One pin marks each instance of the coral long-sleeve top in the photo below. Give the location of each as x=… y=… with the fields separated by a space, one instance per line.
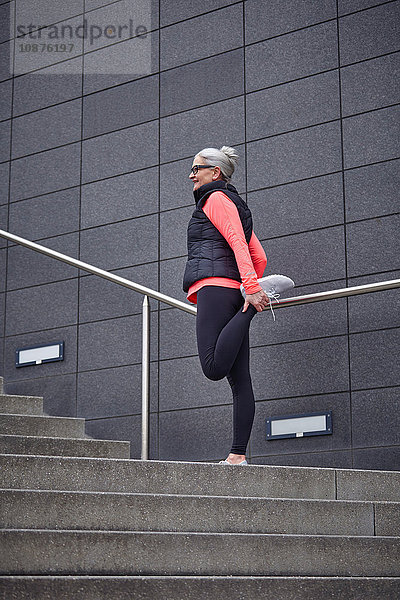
x=250 y=258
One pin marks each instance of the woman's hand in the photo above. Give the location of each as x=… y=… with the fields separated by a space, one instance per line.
x=259 y=300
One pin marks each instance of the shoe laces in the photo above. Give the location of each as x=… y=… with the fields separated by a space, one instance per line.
x=272 y=295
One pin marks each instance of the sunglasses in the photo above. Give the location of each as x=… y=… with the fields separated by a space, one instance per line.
x=195 y=168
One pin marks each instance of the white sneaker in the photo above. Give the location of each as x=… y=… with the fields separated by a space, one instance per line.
x=273 y=286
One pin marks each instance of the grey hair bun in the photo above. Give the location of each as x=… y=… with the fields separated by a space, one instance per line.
x=231 y=154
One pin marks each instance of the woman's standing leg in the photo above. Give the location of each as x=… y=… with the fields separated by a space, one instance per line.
x=243 y=399
x=223 y=344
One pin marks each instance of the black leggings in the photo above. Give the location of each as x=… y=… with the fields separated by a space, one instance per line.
x=223 y=344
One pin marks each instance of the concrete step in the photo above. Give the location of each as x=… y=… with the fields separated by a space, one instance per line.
x=197 y=588
x=1 y=385
x=136 y=476
x=19 y=444
x=20 y=509
x=21 y=405
x=47 y=552
x=46 y=426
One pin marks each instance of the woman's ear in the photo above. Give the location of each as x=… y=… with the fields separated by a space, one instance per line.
x=216 y=174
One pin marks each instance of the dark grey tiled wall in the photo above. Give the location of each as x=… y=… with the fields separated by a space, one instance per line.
x=95 y=165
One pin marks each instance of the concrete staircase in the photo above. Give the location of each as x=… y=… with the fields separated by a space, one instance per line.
x=81 y=520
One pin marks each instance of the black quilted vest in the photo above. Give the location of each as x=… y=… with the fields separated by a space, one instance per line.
x=209 y=254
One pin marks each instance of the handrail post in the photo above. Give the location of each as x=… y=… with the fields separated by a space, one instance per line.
x=145 y=378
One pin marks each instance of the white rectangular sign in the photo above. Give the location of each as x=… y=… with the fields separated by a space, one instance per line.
x=298 y=425
x=39 y=354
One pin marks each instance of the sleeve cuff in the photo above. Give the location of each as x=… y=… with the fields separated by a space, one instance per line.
x=253 y=288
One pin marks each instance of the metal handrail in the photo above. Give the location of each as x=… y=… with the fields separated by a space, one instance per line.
x=74 y=262
x=136 y=287
x=148 y=292
x=380 y=286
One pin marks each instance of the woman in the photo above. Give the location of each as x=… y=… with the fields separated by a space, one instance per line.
x=223 y=252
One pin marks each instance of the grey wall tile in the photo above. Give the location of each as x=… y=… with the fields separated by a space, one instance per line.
x=291 y=256
x=291 y=56
x=126 y=428
x=6 y=58
x=39 y=89
x=348 y=6
x=201 y=37
x=373 y=245
x=45 y=172
x=65 y=33
x=48 y=215
x=298 y=104
x=42 y=307
x=123 y=17
x=7 y=21
x=100 y=299
x=371 y=137
x=122 y=106
x=198 y=434
x=114 y=343
x=94 y=4
x=376 y=417
x=48 y=128
x=170 y=12
x=177 y=334
x=121 y=244
x=59 y=393
x=339 y=404
x=264 y=20
x=5 y=99
x=183 y=385
x=4 y=177
x=2 y=315
x=296 y=155
x=341 y=459
x=211 y=126
x=378 y=310
x=133 y=149
x=369 y=33
x=300 y=368
x=26 y=267
x=47 y=12
x=118 y=198
x=206 y=81
x=387 y=459
x=51 y=336
x=173 y=232
x=4 y=224
x=371 y=84
x=307 y=321
x=171 y=277
x=3 y=263
x=117 y=64
x=374 y=359
x=175 y=185
x=5 y=134
x=113 y=392
x=296 y=207
x=372 y=191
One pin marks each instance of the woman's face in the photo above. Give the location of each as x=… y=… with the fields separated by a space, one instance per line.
x=203 y=176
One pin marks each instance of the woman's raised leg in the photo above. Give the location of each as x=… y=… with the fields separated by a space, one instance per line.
x=221 y=328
